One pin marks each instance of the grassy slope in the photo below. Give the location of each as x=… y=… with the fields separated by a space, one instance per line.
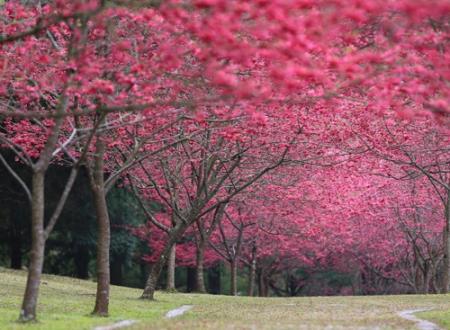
x=65 y=303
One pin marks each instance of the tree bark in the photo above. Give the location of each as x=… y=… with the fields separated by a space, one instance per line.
x=28 y=310
x=426 y=279
x=171 y=265
x=190 y=279
x=262 y=285
x=152 y=280
x=446 y=241
x=252 y=274
x=214 y=279
x=38 y=230
x=199 y=267
x=233 y=278
x=104 y=233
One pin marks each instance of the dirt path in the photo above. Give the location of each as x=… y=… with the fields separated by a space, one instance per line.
x=178 y=311
x=118 y=325
x=421 y=324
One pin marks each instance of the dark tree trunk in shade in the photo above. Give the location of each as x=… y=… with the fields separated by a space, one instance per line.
x=233 y=278
x=155 y=273
x=190 y=279
x=262 y=285
x=28 y=310
x=214 y=279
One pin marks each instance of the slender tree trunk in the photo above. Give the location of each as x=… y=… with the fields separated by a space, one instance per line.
x=233 y=278
x=171 y=264
x=417 y=272
x=426 y=279
x=103 y=243
x=190 y=279
x=446 y=241
x=199 y=270
x=152 y=280
x=262 y=285
x=434 y=288
x=38 y=234
x=252 y=273
x=103 y=231
x=214 y=279
x=28 y=311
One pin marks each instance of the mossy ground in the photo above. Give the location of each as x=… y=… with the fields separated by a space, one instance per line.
x=66 y=303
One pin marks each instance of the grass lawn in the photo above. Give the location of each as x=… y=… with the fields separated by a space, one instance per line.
x=65 y=303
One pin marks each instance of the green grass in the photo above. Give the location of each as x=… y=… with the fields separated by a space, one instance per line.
x=66 y=303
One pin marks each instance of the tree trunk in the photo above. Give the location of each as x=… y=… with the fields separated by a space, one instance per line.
x=426 y=279
x=103 y=243
x=199 y=268
x=252 y=274
x=262 y=285
x=152 y=280
x=446 y=241
x=233 y=278
x=190 y=279
x=214 y=279
x=171 y=265
x=417 y=276
x=28 y=311
x=104 y=232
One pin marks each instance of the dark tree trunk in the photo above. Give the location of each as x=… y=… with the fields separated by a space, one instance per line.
x=418 y=278
x=190 y=279
x=214 y=279
x=144 y=268
x=233 y=278
x=199 y=267
x=152 y=280
x=262 y=285
x=446 y=241
x=171 y=265
x=426 y=279
x=28 y=311
x=103 y=231
x=150 y=285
